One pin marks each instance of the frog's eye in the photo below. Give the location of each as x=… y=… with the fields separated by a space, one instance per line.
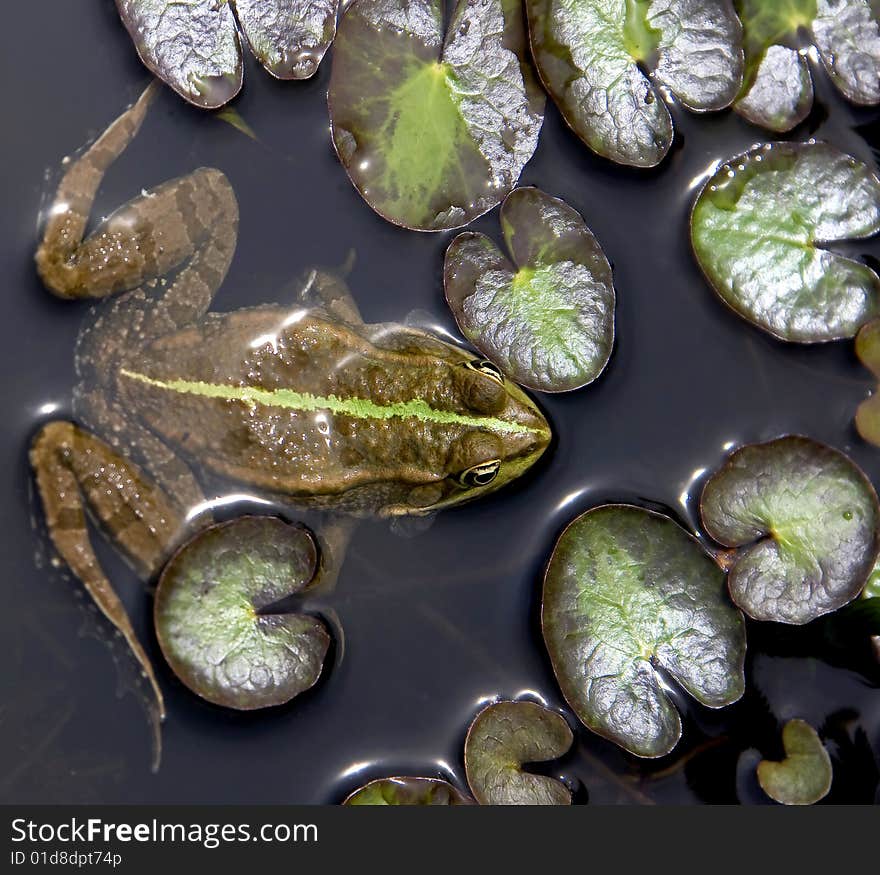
x=487 y=369
x=480 y=475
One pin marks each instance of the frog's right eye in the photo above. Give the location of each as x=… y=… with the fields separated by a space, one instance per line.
x=487 y=369
x=480 y=475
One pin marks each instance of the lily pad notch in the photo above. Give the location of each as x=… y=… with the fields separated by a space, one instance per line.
x=605 y=63
x=194 y=46
x=545 y=316
x=777 y=90
x=433 y=128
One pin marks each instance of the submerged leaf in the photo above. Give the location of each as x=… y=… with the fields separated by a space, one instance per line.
x=433 y=130
x=759 y=230
x=628 y=591
x=590 y=55
x=288 y=37
x=503 y=737
x=806 y=520
x=407 y=791
x=804 y=776
x=194 y=45
x=547 y=320
x=868 y=351
x=778 y=88
x=214 y=619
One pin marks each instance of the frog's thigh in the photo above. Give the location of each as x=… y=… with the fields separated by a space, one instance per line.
x=74 y=469
x=188 y=224
x=169 y=472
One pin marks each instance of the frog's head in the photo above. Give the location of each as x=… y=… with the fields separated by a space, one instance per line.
x=505 y=435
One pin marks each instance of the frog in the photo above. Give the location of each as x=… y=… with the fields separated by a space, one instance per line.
x=304 y=403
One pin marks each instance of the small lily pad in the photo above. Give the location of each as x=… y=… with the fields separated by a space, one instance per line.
x=407 y=791
x=627 y=591
x=804 y=776
x=806 y=522
x=778 y=87
x=590 y=55
x=194 y=45
x=760 y=228
x=214 y=617
x=547 y=319
x=433 y=129
x=868 y=351
x=503 y=737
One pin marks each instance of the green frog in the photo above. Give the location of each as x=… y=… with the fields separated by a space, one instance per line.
x=305 y=404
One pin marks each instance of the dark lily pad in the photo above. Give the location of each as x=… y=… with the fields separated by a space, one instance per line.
x=760 y=227
x=407 y=791
x=804 y=776
x=806 y=522
x=547 y=319
x=777 y=89
x=590 y=55
x=503 y=737
x=214 y=620
x=868 y=351
x=194 y=45
x=433 y=129
x=626 y=592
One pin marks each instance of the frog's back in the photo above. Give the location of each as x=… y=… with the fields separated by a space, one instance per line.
x=298 y=403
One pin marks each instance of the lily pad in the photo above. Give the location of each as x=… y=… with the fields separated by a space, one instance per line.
x=806 y=522
x=547 y=319
x=503 y=737
x=433 y=129
x=628 y=592
x=868 y=351
x=760 y=228
x=214 y=616
x=407 y=791
x=194 y=45
x=804 y=776
x=778 y=87
x=591 y=54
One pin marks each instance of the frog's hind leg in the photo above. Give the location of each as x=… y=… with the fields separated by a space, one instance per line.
x=189 y=225
x=330 y=292
x=74 y=471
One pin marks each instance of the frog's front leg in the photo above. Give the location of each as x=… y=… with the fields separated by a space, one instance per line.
x=189 y=225
x=74 y=471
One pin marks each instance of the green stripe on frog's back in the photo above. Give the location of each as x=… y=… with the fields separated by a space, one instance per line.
x=306 y=402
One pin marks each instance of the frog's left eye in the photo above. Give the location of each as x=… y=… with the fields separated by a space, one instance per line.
x=480 y=475
x=487 y=369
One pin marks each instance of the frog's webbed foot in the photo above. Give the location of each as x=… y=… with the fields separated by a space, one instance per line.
x=74 y=471
x=189 y=225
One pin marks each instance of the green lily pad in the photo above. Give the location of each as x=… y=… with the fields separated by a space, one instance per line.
x=760 y=227
x=433 y=129
x=806 y=522
x=214 y=619
x=628 y=591
x=804 y=776
x=590 y=55
x=407 y=791
x=868 y=351
x=547 y=320
x=777 y=88
x=194 y=45
x=503 y=737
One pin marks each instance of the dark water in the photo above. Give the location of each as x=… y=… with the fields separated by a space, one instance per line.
x=438 y=622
